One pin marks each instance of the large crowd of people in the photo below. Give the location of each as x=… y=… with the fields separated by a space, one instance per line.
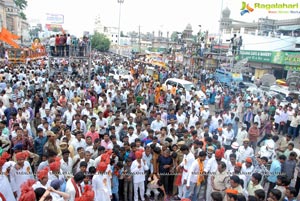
x=135 y=139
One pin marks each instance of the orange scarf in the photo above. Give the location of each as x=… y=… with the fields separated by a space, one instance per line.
x=201 y=170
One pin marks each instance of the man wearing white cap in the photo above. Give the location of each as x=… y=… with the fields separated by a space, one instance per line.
x=268 y=151
x=234 y=150
x=242 y=134
x=245 y=151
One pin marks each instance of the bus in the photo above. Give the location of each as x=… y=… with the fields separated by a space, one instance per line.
x=227 y=77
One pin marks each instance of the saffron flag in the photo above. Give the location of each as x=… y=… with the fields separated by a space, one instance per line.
x=11 y=35
x=8 y=38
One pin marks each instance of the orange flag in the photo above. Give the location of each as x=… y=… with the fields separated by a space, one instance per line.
x=9 y=34
x=8 y=38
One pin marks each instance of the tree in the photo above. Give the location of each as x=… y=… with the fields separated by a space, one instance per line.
x=174 y=36
x=23 y=16
x=100 y=42
x=21 y=4
x=122 y=34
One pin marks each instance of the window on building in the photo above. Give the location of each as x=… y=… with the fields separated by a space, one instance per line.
x=116 y=36
x=297 y=45
x=116 y=41
x=112 y=36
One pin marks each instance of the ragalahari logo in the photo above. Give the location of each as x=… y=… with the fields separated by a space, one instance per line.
x=246 y=8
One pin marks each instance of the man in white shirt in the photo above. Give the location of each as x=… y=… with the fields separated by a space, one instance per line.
x=78 y=142
x=131 y=135
x=138 y=168
x=102 y=123
x=82 y=124
x=180 y=117
x=257 y=118
x=234 y=150
x=73 y=186
x=157 y=124
x=66 y=162
x=186 y=164
x=245 y=151
x=195 y=179
x=228 y=135
x=20 y=173
x=68 y=115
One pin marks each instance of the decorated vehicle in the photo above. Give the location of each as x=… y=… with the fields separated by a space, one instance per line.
x=23 y=55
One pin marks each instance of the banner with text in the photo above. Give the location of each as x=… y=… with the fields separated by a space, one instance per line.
x=282 y=58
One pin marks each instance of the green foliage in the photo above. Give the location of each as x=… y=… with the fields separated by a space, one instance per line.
x=174 y=36
x=23 y=16
x=55 y=29
x=21 y=4
x=100 y=42
x=122 y=34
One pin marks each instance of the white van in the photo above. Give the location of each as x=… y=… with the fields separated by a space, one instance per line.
x=179 y=84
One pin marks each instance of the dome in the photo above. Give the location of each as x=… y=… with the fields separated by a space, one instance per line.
x=188 y=27
x=226 y=12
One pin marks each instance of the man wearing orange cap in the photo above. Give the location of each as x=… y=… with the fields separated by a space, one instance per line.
x=211 y=167
x=101 y=183
x=56 y=172
x=138 y=168
x=237 y=171
x=43 y=181
x=247 y=169
x=5 y=187
x=20 y=173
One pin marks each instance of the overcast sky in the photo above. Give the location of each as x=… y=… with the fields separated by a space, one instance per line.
x=154 y=15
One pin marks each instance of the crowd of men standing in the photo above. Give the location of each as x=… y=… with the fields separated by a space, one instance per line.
x=134 y=139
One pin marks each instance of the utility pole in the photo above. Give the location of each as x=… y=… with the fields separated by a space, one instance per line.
x=120 y=2
x=90 y=61
x=139 y=39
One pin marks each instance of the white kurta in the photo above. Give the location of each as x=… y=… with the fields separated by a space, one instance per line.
x=70 y=189
x=101 y=186
x=18 y=177
x=138 y=173
x=186 y=164
x=52 y=176
x=5 y=188
x=39 y=185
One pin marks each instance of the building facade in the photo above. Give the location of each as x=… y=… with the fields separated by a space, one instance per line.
x=11 y=20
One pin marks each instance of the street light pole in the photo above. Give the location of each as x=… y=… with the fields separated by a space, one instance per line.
x=90 y=61
x=120 y=2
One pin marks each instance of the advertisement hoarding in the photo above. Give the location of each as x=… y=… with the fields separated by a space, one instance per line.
x=54 y=18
